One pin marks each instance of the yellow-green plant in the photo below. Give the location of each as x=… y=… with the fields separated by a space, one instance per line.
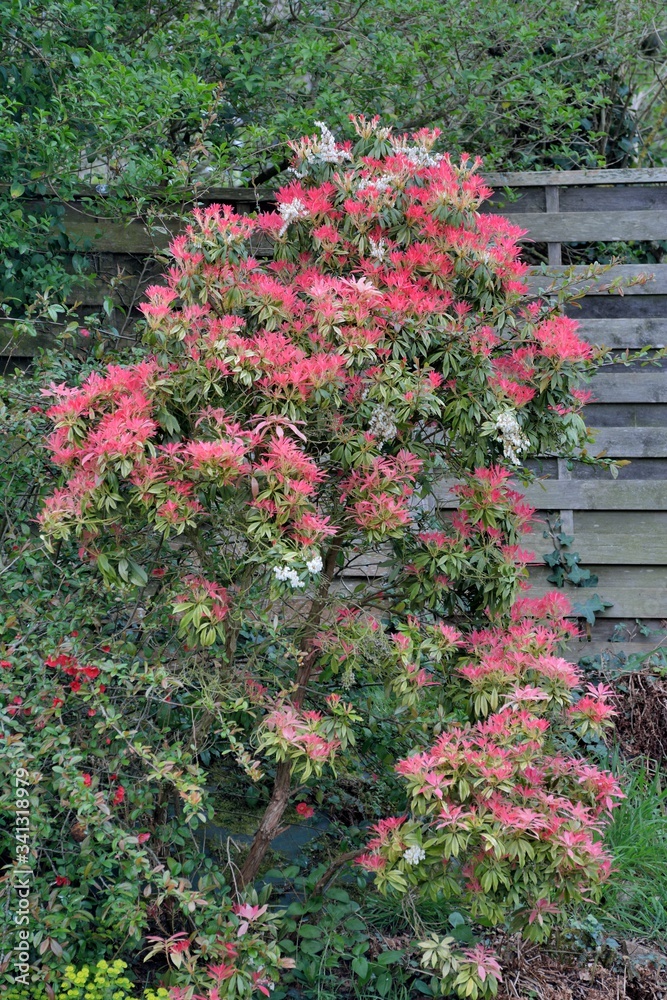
x=105 y=981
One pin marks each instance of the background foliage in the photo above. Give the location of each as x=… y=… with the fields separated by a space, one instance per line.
x=130 y=96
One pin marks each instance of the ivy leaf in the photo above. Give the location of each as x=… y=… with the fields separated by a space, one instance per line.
x=588 y=609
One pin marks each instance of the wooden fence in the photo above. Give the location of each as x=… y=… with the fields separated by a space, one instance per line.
x=619 y=526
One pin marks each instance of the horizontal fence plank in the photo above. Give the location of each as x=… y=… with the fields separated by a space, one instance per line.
x=197 y=191
x=606 y=650
x=622 y=333
x=636 y=592
x=93 y=293
x=578 y=227
x=583 y=494
x=641 y=415
x=542 y=279
x=610 y=538
x=540 y=178
x=637 y=198
x=630 y=387
x=630 y=442
x=113 y=237
x=556 y=227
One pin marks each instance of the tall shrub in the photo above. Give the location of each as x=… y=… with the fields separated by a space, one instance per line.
x=317 y=378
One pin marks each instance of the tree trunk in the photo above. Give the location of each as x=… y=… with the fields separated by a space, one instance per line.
x=270 y=824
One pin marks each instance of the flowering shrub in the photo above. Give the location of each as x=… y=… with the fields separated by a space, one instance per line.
x=295 y=425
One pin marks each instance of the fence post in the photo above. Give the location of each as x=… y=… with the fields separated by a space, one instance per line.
x=552 y=199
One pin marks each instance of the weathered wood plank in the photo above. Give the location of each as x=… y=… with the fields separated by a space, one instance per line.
x=639 y=198
x=584 y=494
x=647 y=386
x=543 y=279
x=641 y=415
x=93 y=293
x=24 y=346
x=577 y=649
x=539 y=178
x=622 y=333
x=575 y=227
x=556 y=227
x=226 y=195
x=636 y=592
x=610 y=538
x=117 y=238
x=631 y=442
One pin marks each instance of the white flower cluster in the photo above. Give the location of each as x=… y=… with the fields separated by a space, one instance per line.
x=381 y=183
x=326 y=151
x=287 y=574
x=290 y=211
x=513 y=439
x=378 y=249
x=348 y=679
x=315 y=564
x=381 y=425
x=418 y=156
x=413 y=855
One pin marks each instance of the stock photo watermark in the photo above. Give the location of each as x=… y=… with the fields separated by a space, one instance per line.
x=22 y=878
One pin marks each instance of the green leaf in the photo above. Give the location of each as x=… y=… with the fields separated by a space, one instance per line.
x=389 y=957
x=309 y=931
x=360 y=966
x=16 y=190
x=339 y=894
x=384 y=983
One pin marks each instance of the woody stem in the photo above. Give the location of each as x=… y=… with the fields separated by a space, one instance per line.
x=271 y=820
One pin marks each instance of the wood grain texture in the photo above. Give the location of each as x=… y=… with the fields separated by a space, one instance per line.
x=93 y=293
x=622 y=333
x=584 y=494
x=612 y=538
x=574 y=227
x=559 y=227
x=636 y=592
x=543 y=279
x=647 y=386
x=541 y=178
x=607 y=650
x=630 y=442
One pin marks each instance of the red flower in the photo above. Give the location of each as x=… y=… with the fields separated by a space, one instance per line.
x=57 y=702
x=74 y=634
x=62 y=880
x=75 y=686
x=6 y=664
x=106 y=649
x=119 y=795
x=87 y=780
x=305 y=811
x=143 y=837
